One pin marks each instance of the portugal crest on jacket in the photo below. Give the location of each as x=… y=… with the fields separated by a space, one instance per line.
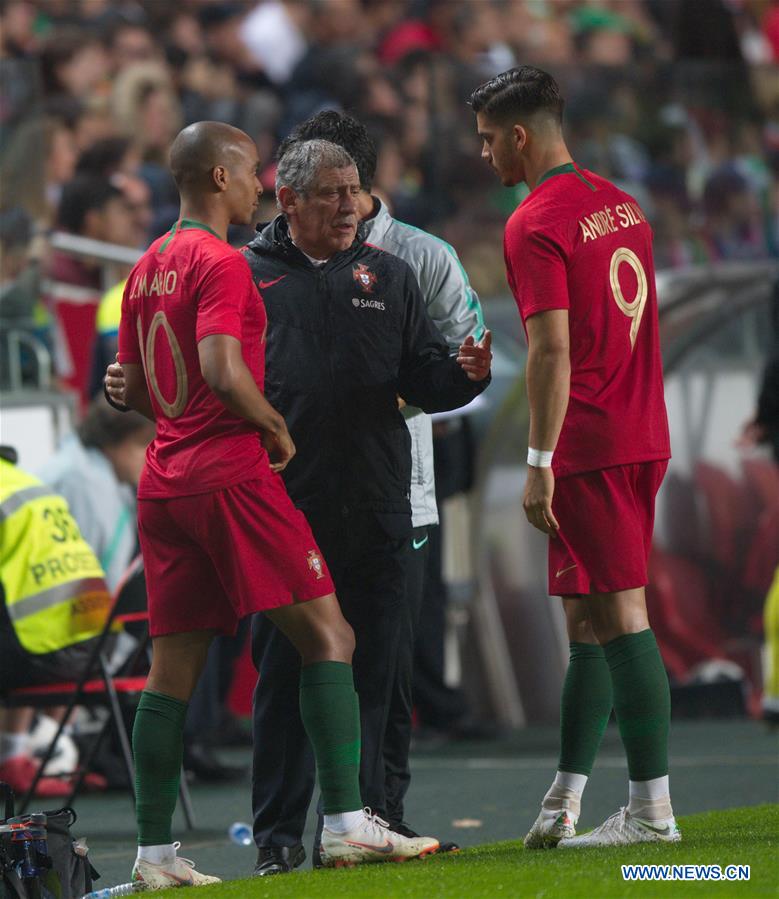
x=364 y=277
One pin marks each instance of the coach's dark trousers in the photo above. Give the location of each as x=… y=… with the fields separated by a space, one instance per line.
x=368 y=556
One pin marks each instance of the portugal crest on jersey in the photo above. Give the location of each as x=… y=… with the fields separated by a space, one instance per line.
x=315 y=564
x=364 y=277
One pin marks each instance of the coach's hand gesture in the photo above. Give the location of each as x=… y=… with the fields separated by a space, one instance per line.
x=115 y=382
x=537 y=501
x=475 y=358
x=280 y=448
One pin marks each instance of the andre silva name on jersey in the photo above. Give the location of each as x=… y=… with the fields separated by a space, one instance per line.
x=601 y=223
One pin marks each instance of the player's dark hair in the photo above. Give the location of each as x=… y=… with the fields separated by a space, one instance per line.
x=80 y=196
x=346 y=132
x=518 y=93
x=104 y=426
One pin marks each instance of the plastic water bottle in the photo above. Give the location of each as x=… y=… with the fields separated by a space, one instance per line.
x=241 y=834
x=124 y=889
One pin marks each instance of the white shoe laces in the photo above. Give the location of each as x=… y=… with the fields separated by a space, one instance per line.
x=374 y=822
x=187 y=861
x=618 y=820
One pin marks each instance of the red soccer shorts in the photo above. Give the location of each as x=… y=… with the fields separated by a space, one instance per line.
x=210 y=559
x=606 y=519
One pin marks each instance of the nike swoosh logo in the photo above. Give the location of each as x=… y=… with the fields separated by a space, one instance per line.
x=385 y=849
x=562 y=571
x=264 y=284
x=418 y=544
x=661 y=831
x=184 y=881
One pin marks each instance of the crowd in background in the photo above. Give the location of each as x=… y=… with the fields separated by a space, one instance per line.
x=678 y=103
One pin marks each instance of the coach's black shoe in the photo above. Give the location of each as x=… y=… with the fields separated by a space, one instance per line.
x=405 y=831
x=278 y=860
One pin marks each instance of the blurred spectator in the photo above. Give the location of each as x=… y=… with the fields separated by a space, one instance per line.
x=17 y=32
x=272 y=34
x=131 y=42
x=732 y=227
x=97 y=469
x=677 y=102
x=90 y=207
x=146 y=108
x=74 y=63
x=118 y=159
x=39 y=159
x=109 y=314
x=18 y=284
x=19 y=292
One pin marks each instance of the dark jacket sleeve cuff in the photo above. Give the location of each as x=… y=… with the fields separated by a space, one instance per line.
x=120 y=407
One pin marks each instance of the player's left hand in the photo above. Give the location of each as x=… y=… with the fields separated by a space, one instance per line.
x=537 y=501
x=475 y=358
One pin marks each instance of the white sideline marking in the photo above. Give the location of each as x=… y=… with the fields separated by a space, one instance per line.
x=531 y=764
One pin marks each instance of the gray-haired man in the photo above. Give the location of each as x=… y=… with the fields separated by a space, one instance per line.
x=348 y=333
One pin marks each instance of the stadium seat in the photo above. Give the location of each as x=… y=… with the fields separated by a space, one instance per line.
x=728 y=513
x=763 y=555
x=99 y=687
x=679 y=604
x=762 y=479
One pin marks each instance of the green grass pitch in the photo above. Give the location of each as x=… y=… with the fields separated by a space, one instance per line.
x=747 y=836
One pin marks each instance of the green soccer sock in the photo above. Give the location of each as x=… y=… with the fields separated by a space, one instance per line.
x=331 y=717
x=584 y=708
x=642 y=702
x=158 y=745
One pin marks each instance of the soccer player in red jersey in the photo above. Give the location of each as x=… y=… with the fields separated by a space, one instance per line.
x=220 y=537
x=578 y=255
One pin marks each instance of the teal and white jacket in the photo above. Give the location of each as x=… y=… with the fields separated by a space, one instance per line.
x=456 y=311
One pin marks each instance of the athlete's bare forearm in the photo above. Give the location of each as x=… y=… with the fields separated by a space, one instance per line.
x=548 y=377
x=226 y=374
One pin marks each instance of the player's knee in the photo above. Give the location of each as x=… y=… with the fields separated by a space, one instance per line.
x=332 y=641
x=577 y=621
x=614 y=615
x=581 y=631
x=343 y=641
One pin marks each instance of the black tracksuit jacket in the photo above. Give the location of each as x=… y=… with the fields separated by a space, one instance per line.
x=344 y=341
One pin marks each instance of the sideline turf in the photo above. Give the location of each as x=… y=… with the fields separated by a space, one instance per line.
x=746 y=836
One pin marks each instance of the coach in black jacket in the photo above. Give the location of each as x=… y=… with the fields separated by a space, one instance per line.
x=348 y=333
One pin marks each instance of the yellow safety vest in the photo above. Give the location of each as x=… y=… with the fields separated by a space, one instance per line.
x=55 y=590
x=109 y=312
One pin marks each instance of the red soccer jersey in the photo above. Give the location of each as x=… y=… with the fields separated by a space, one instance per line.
x=187 y=285
x=580 y=243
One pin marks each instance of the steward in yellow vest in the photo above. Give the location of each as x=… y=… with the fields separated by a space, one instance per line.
x=54 y=598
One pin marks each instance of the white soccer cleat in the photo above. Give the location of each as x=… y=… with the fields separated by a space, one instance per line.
x=372 y=841
x=549 y=828
x=622 y=829
x=181 y=873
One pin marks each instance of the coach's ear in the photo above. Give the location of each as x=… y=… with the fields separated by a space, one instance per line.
x=287 y=200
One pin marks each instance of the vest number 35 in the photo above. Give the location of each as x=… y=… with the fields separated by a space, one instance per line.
x=634 y=309
x=174 y=409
